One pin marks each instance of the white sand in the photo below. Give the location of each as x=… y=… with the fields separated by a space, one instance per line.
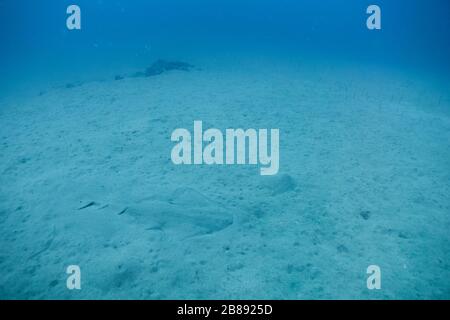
x=364 y=179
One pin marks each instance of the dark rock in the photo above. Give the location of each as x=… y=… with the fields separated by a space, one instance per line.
x=403 y=235
x=342 y=249
x=161 y=66
x=53 y=283
x=71 y=85
x=365 y=214
x=257 y=212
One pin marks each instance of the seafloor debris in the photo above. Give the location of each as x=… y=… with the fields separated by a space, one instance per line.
x=365 y=214
x=71 y=85
x=160 y=66
x=90 y=204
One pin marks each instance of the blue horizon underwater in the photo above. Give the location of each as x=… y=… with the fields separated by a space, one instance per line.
x=103 y=170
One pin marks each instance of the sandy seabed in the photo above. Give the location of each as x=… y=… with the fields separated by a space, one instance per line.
x=86 y=178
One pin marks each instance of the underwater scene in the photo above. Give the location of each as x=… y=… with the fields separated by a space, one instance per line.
x=197 y=149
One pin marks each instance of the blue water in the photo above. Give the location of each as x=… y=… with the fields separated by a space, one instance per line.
x=86 y=176
x=414 y=33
